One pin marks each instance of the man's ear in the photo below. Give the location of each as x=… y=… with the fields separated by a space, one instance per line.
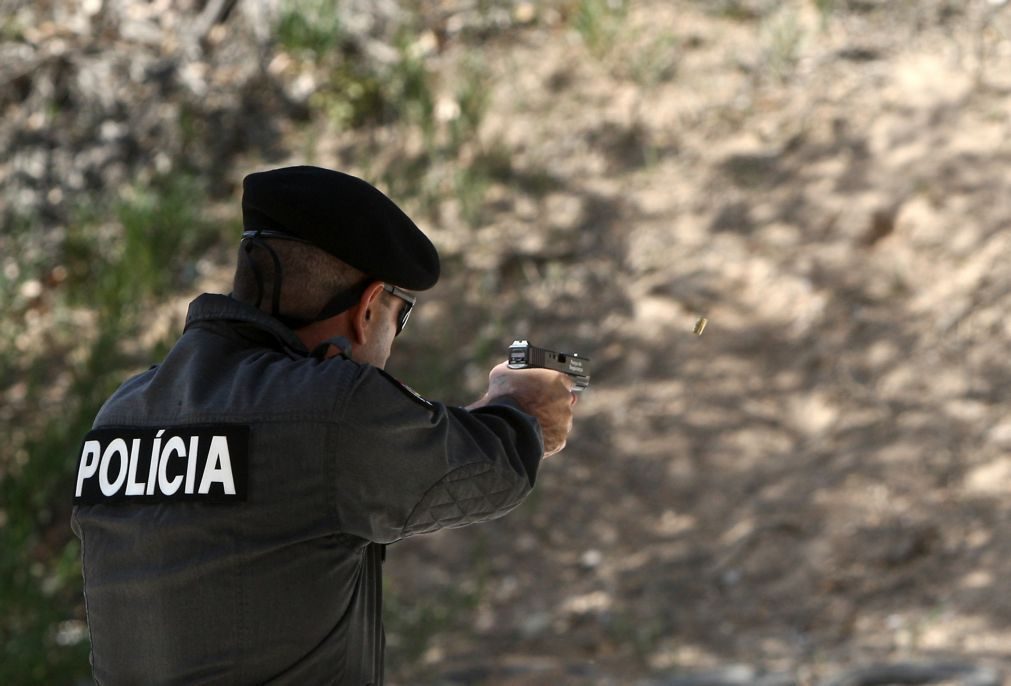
x=364 y=313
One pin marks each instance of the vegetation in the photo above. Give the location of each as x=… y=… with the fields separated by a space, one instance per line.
x=121 y=257
x=311 y=27
x=599 y=23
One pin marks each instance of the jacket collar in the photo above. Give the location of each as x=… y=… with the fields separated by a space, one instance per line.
x=213 y=307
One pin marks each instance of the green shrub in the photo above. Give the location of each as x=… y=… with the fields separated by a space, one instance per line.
x=472 y=98
x=782 y=39
x=599 y=23
x=119 y=257
x=145 y=249
x=310 y=27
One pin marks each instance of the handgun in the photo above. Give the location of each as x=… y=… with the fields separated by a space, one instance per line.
x=522 y=355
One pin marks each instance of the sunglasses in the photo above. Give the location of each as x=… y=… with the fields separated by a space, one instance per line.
x=405 y=311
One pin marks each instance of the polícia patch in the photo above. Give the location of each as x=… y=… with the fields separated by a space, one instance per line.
x=201 y=462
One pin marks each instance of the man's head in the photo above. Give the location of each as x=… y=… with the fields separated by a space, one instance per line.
x=328 y=254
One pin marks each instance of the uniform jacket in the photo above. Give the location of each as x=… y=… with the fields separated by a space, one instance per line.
x=241 y=494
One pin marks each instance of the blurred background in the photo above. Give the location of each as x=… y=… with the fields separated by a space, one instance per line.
x=818 y=483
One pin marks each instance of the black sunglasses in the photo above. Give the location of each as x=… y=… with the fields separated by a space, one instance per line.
x=405 y=311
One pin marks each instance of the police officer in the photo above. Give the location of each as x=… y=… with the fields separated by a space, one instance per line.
x=234 y=502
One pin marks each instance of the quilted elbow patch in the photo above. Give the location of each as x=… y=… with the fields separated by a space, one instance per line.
x=473 y=493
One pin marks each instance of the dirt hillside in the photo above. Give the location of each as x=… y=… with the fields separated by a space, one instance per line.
x=820 y=481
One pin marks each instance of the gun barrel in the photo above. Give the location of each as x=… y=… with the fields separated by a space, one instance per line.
x=522 y=355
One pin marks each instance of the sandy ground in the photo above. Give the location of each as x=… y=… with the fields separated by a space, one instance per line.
x=820 y=481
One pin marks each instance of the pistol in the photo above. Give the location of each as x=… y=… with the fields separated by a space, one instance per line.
x=522 y=355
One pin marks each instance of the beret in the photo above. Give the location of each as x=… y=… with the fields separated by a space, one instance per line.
x=345 y=216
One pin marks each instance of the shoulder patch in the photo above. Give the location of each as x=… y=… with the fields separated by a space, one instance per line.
x=202 y=462
x=413 y=394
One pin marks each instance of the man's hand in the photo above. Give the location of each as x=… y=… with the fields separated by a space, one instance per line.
x=545 y=394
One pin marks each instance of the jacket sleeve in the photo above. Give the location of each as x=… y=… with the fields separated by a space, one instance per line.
x=405 y=465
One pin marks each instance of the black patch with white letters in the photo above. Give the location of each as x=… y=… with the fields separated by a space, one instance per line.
x=206 y=463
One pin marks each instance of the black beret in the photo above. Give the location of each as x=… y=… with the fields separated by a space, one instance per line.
x=345 y=216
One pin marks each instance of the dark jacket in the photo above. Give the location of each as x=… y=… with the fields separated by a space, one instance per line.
x=261 y=561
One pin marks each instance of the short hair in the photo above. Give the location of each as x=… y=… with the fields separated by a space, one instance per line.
x=310 y=277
